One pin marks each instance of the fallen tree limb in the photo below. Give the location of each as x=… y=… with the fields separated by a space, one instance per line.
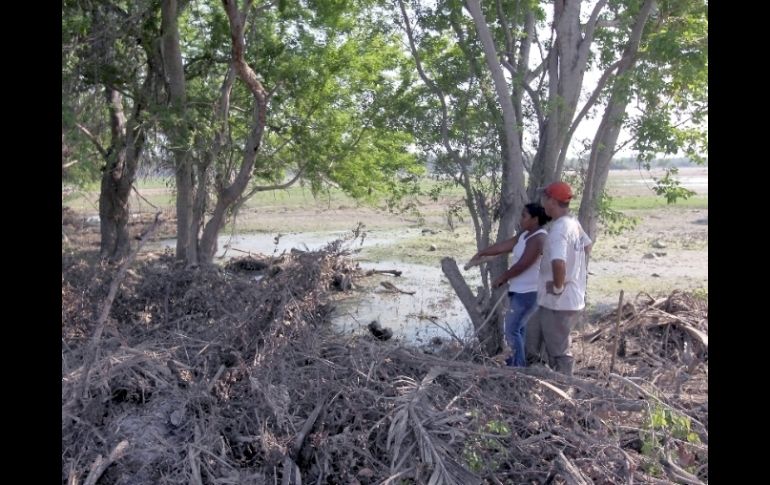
x=394 y=272
x=101 y=464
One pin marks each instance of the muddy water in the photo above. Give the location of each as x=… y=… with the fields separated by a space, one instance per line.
x=698 y=184
x=270 y=243
x=692 y=178
x=433 y=311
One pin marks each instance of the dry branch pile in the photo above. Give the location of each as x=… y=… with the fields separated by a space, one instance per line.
x=663 y=342
x=206 y=376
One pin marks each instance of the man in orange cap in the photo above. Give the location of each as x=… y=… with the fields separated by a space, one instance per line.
x=562 y=283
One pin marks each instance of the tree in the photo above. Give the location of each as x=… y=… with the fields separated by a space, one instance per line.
x=120 y=67
x=633 y=42
x=664 y=67
x=319 y=108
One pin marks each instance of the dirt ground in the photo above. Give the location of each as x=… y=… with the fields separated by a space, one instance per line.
x=668 y=250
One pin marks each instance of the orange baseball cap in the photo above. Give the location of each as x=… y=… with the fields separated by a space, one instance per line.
x=561 y=191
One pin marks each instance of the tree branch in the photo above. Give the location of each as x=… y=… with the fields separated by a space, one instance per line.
x=265 y=6
x=543 y=61
x=285 y=143
x=101 y=464
x=264 y=188
x=509 y=41
x=531 y=92
x=636 y=137
x=93 y=139
x=237 y=22
x=590 y=27
x=586 y=108
x=431 y=85
x=249 y=77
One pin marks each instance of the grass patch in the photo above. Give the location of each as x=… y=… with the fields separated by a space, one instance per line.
x=653 y=202
x=459 y=244
x=607 y=287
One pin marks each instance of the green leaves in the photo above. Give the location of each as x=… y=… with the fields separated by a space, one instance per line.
x=671 y=82
x=670 y=187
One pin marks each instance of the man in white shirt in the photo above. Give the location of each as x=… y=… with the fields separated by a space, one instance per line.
x=562 y=283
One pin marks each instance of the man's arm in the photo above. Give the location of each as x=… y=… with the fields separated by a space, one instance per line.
x=558 y=250
x=556 y=286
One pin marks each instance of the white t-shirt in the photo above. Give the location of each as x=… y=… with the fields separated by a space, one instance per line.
x=566 y=241
x=526 y=281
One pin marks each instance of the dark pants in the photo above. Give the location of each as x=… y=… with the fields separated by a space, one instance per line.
x=552 y=328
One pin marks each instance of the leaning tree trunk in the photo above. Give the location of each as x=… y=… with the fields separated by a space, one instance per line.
x=599 y=164
x=606 y=137
x=489 y=335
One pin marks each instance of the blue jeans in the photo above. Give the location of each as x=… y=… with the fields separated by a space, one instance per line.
x=522 y=306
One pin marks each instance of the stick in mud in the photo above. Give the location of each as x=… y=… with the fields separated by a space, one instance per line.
x=617 y=335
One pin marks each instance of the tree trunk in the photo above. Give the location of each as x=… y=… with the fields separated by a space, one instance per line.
x=196 y=241
x=127 y=139
x=599 y=163
x=512 y=190
x=228 y=196
x=512 y=199
x=490 y=336
x=186 y=242
x=606 y=137
x=567 y=63
x=118 y=177
x=207 y=246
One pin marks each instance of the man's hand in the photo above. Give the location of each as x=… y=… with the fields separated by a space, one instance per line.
x=549 y=289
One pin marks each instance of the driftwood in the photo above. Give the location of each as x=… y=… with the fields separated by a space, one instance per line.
x=394 y=288
x=394 y=272
x=463 y=292
x=572 y=473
